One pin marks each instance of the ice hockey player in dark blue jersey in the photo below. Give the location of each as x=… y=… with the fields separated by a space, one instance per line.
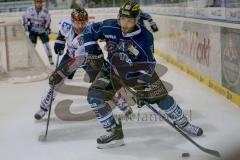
x=131 y=61
x=144 y=16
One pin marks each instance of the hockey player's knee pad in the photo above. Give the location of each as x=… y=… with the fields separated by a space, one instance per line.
x=100 y=94
x=101 y=88
x=166 y=102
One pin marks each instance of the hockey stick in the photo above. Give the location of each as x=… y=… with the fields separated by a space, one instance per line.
x=206 y=150
x=43 y=138
x=131 y=90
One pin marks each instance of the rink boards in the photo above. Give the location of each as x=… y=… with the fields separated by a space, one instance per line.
x=206 y=50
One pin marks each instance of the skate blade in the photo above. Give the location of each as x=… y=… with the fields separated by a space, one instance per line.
x=38 y=117
x=113 y=144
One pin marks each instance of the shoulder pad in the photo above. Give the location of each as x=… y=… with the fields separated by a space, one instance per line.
x=65 y=26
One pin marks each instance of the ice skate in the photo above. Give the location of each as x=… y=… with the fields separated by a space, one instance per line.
x=39 y=114
x=112 y=138
x=45 y=103
x=192 y=129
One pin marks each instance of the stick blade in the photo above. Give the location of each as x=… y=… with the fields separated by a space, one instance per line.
x=212 y=152
x=42 y=138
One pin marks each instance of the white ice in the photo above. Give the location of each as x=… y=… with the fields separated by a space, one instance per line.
x=19 y=132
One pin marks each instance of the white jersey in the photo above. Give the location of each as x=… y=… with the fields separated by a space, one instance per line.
x=74 y=41
x=37 y=21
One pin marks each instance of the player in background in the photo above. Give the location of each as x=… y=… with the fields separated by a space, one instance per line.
x=143 y=16
x=71 y=32
x=128 y=44
x=37 y=21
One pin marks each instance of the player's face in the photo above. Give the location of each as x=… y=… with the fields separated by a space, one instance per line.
x=79 y=26
x=38 y=5
x=127 y=24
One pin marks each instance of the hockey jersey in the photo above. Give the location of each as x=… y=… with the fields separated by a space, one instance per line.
x=37 y=21
x=74 y=42
x=131 y=48
x=138 y=45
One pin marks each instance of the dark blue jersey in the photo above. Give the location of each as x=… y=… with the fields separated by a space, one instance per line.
x=138 y=45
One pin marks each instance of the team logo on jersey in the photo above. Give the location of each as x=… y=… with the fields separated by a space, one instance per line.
x=124 y=45
x=66 y=27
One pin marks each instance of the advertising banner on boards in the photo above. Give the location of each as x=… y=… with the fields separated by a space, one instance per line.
x=230 y=40
x=194 y=44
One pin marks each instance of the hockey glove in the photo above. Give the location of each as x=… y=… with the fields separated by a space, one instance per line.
x=28 y=27
x=140 y=103
x=59 y=47
x=154 y=27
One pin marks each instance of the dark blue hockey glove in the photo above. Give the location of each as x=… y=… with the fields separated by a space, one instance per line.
x=59 y=47
x=154 y=27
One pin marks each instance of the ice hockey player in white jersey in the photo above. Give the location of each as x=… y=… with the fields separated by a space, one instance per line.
x=71 y=32
x=36 y=21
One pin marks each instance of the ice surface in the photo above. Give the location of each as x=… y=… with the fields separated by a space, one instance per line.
x=145 y=139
